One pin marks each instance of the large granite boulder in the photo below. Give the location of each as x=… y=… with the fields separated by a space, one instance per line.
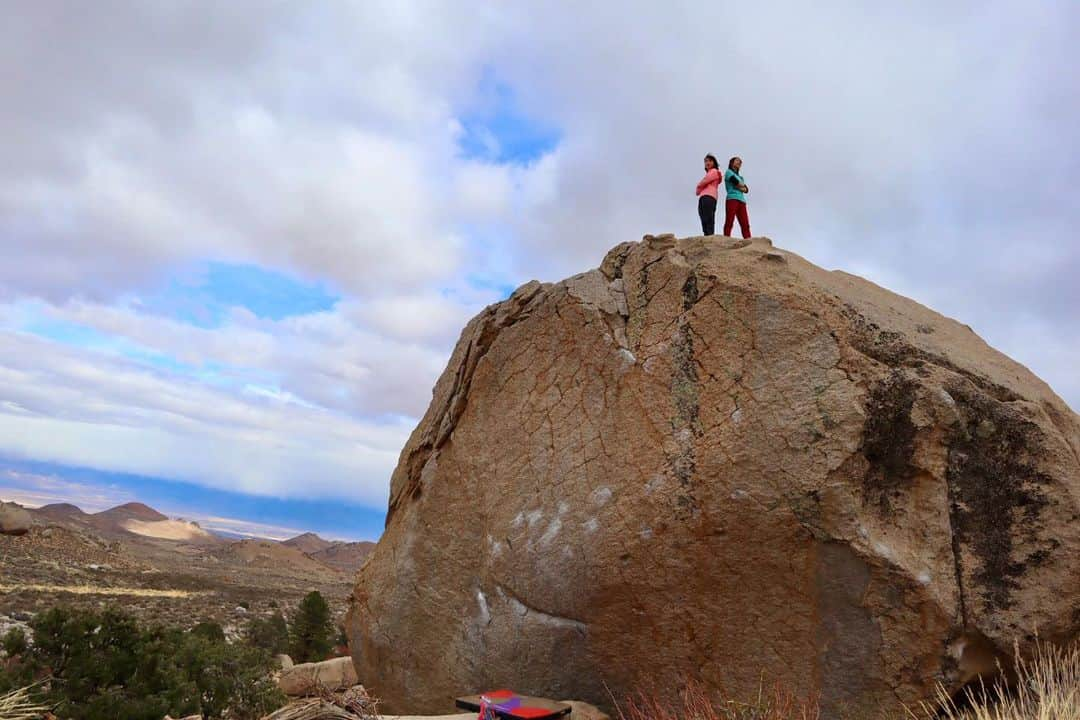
x=712 y=460
x=14 y=520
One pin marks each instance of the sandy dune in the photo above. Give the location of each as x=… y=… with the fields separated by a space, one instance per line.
x=167 y=529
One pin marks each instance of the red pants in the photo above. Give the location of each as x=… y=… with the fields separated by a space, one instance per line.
x=736 y=209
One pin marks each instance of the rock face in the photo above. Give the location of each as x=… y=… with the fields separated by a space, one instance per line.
x=14 y=520
x=710 y=459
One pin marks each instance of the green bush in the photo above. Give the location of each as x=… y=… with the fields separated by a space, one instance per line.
x=209 y=630
x=271 y=633
x=14 y=642
x=311 y=634
x=15 y=672
x=230 y=677
x=103 y=666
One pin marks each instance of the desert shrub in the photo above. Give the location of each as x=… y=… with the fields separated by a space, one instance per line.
x=230 y=677
x=15 y=670
x=311 y=632
x=104 y=666
x=209 y=630
x=14 y=642
x=270 y=633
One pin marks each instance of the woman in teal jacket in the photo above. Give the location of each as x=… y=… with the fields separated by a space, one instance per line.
x=735 y=206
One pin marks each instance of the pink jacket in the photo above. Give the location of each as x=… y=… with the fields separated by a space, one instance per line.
x=710 y=183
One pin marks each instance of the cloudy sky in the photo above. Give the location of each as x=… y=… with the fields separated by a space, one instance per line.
x=237 y=240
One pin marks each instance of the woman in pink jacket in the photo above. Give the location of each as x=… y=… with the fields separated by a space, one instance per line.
x=706 y=193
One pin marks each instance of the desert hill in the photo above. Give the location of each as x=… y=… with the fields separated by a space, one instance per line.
x=123 y=521
x=60 y=510
x=345 y=556
x=130 y=511
x=163 y=569
x=273 y=555
x=709 y=458
x=308 y=542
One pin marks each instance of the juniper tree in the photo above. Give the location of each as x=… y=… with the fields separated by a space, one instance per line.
x=311 y=633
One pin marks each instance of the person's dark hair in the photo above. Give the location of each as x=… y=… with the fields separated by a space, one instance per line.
x=731 y=163
x=712 y=157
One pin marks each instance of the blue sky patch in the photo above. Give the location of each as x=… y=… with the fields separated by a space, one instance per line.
x=266 y=293
x=78 y=335
x=496 y=130
x=203 y=298
x=334 y=519
x=488 y=283
x=65 y=331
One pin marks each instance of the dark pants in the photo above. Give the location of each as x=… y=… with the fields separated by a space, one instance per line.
x=706 y=210
x=736 y=209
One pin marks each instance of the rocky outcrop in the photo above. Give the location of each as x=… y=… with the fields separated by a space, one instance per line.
x=14 y=520
x=710 y=459
x=305 y=678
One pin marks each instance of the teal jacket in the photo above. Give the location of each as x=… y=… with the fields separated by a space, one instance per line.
x=732 y=181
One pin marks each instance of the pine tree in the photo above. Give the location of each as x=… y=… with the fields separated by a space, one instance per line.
x=311 y=633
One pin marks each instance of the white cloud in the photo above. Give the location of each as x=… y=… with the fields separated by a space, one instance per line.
x=80 y=407
x=32 y=489
x=322 y=140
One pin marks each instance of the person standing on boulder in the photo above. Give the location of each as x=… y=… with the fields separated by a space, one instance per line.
x=735 y=206
x=707 y=191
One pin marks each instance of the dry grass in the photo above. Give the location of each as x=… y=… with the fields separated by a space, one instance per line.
x=1047 y=688
x=16 y=705
x=696 y=703
x=98 y=590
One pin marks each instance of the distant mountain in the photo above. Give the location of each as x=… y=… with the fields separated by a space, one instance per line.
x=125 y=521
x=130 y=511
x=309 y=543
x=134 y=520
x=347 y=556
x=60 y=511
x=272 y=555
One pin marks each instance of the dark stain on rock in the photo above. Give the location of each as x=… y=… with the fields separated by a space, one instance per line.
x=684 y=383
x=848 y=639
x=685 y=421
x=892 y=349
x=889 y=440
x=994 y=486
x=690 y=292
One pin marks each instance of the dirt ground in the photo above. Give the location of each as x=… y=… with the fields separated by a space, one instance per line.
x=158 y=580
